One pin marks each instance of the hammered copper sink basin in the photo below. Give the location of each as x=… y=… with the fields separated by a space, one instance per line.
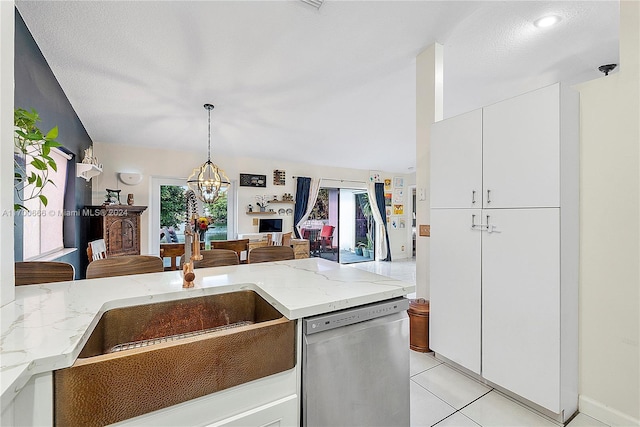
x=143 y=358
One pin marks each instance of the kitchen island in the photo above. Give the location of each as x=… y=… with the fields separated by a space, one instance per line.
x=46 y=327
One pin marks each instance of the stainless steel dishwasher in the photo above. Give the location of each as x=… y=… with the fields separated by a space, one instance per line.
x=355 y=369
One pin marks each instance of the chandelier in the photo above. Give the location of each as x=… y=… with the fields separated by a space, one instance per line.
x=208 y=182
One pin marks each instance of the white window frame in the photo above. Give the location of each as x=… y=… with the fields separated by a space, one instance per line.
x=154 y=215
x=53 y=211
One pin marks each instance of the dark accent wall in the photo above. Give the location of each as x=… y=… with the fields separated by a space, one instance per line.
x=37 y=87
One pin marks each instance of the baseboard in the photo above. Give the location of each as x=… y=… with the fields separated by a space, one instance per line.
x=604 y=413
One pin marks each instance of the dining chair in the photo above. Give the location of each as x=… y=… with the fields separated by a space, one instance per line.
x=286 y=239
x=214 y=258
x=270 y=253
x=124 y=265
x=97 y=249
x=326 y=238
x=34 y=272
x=239 y=246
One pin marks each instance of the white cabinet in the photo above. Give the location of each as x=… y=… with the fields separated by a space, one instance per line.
x=455 y=301
x=456 y=166
x=521 y=303
x=504 y=275
x=506 y=155
x=521 y=151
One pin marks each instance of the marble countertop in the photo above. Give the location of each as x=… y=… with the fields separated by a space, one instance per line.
x=47 y=325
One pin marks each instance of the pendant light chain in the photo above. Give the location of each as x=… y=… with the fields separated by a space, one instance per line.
x=209 y=146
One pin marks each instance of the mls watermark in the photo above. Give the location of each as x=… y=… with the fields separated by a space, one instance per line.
x=85 y=212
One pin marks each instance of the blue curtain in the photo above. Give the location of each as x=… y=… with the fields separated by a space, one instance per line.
x=302 y=199
x=383 y=214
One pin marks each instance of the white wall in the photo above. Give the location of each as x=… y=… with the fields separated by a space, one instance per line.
x=610 y=236
x=178 y=164
x=7 y=289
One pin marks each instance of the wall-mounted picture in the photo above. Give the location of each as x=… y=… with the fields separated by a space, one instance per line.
x=387 y=184
x=394 y=222
x=278 y=177
x=398 y=209
x=387 y=199
x=388 y=211
x=398 y=196
x=375 y=176
x=398 y=182
x=252 y=180
x=402 y=223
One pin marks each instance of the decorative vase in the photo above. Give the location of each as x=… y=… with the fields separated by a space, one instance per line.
x=130 y=199
x=262 y=209
x=359 y=251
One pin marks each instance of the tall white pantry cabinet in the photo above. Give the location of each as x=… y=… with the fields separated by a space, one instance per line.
x=504 y=245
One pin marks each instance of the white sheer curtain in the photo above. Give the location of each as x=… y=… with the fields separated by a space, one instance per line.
x=313 y=196
x=381 y=236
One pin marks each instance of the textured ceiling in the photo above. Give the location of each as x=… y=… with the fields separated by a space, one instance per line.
x=334 y=86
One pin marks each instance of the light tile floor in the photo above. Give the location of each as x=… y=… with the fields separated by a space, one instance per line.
x=444 y=397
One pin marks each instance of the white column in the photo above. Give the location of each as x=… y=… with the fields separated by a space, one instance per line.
x=429 y=93
x=7 y=23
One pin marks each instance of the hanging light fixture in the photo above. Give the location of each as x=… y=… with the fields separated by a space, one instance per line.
x=209 y=182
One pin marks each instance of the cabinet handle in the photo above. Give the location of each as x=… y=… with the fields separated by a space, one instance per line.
x=488 y=196
x=473 y=197
x=473 y=221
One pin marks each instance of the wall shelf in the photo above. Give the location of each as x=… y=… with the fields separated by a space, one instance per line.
x=262 y=213
x=87 y=170
x=282 y=201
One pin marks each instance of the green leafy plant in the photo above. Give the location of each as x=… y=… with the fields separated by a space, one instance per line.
x=33 y=148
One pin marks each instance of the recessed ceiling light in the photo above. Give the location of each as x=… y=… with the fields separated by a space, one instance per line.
x=546 y=21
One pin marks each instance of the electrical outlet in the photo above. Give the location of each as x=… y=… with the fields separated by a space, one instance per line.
x=402 y=249
x=255 y=221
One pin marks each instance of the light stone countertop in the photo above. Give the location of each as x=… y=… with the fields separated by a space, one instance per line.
x=47 y=325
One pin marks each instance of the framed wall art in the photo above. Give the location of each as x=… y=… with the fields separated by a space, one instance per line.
x=278 y=177
x=252 y=180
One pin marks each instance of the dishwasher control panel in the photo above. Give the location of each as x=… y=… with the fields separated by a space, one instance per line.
x=349 y=316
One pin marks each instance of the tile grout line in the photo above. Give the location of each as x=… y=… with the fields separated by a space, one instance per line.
x=458 y=410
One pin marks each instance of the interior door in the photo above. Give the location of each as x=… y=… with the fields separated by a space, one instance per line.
x=456 y=167
x=521 y=303
x=455 y=319
x=521 y=151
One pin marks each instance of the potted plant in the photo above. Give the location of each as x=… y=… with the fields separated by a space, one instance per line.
x=31 y=147
x=359 y=248
x=369 y=248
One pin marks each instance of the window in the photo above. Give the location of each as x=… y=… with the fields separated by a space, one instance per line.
x=42 y=225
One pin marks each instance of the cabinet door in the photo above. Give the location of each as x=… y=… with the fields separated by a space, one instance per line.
x=454 y=319
x=521 y=151
x=456 y=162
x=521 y=303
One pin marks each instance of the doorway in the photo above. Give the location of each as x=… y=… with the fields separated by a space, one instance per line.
x=341 y=227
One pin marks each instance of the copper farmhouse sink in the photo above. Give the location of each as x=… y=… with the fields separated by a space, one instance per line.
x=143 y=358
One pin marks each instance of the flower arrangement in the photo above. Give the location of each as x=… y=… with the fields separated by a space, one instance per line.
x=262 y=202
x=203 y=223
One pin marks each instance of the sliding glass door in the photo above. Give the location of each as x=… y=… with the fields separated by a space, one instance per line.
x=340 y=227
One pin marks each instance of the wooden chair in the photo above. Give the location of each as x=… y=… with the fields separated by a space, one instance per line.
x=124 y=265
x=34 y=272
x=215 y=258
x=270 y=253
x=286 y=239
x=238 y=246
x=97 y=249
